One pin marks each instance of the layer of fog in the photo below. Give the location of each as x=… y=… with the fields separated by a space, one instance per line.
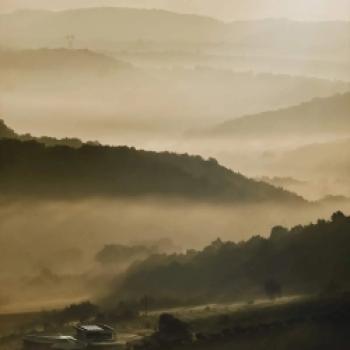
x=155 y=57
x=128 y=105
x=318 y=163
x=48 y=248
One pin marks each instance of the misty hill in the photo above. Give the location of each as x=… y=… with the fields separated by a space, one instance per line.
x=83 y=93
x=328 y=157
x=32 y=168
x=58 y=60
x=335 y=200
x=105 y=27
x=303 y=259
x=319 y=116
x=315 y=170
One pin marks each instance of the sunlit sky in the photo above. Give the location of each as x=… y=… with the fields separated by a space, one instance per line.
x=223 y=9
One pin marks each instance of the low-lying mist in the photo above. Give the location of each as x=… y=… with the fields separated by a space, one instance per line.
x=46 y=92
x=49 y=247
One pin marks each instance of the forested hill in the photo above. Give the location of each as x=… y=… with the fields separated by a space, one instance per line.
x=92 y=170
x=304 y=259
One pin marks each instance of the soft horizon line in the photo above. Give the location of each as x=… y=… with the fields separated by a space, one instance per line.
x=141 y=9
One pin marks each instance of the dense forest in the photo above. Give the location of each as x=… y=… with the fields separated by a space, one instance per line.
x=30 y=167
x=304 y=259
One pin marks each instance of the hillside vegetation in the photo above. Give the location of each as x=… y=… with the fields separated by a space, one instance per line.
x=92 y=170
x=305 y=259
x=8 y=133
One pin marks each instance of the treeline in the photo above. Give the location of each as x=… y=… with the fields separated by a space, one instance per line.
x=8 y=133
x=31 y=168
x=304 y=259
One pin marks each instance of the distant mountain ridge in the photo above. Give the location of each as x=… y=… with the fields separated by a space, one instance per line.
x=322 y=159
x=103 y=27
x=320 y=115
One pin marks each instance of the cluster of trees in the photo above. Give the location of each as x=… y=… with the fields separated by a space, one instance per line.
x=303 y=259
x=32 y=168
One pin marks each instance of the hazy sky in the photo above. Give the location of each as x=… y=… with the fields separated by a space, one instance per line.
x=225 y=9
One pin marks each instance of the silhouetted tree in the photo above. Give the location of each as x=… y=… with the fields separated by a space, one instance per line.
x=338 y=216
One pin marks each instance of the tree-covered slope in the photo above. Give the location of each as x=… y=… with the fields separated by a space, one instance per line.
x=92 y=170
x=8 y=133
x=304 y=259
